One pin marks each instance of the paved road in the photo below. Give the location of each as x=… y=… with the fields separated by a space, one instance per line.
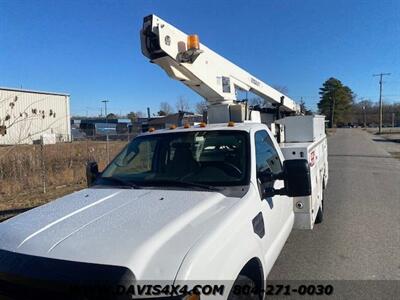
x=360 y=236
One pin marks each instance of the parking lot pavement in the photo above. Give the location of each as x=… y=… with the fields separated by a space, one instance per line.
x=360 y=236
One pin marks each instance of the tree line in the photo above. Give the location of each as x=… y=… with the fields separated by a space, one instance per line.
x=181 y=105
x=367 y=111
x=338 y=103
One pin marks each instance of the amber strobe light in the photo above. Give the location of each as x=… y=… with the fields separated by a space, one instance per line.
x=192 y=297
x=193 y=41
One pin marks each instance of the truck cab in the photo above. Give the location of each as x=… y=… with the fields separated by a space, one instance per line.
x=209 y=203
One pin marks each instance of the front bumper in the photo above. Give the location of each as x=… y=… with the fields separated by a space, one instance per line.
x=25 y=276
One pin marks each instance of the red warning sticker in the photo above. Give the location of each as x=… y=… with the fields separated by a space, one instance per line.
x=313 y=158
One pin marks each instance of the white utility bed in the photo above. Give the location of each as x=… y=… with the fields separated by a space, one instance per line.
x=312 y=145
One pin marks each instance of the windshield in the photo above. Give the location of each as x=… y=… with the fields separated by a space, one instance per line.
x=214 y=158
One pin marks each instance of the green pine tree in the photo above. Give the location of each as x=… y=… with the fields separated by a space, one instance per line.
x=336 y=101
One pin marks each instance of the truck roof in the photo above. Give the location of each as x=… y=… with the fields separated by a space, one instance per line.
x=245 y=126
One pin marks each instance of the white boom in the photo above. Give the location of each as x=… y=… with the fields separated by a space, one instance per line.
x=204 y=71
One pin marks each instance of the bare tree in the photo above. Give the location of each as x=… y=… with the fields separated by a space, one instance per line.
x=139 y=114
x=182 y=104
x=24 y=136
x=112 y=116
x=366 y=111
x=304 y=109
x=201 y=106
x=166 y=108
x=22 y=118
x=132 y=116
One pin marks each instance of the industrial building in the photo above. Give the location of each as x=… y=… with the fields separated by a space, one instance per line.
x=28 y=116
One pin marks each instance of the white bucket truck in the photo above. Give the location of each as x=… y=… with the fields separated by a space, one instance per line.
x=181 y=206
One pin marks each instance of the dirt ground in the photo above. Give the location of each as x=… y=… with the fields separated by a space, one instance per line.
x=390 y=139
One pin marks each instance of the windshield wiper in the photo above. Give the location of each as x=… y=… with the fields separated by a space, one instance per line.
x=121 y=182
x=183 y=183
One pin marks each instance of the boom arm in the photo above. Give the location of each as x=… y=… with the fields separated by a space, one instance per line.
x=204 y=71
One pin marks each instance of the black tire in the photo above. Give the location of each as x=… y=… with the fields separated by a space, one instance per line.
x=320 y=213
x=244 y=288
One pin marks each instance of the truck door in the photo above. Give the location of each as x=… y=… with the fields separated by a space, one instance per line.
x=278 y=210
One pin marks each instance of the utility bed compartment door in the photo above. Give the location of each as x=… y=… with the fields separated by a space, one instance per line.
x=306 y=208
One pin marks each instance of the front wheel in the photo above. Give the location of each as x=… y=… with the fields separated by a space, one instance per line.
x=244 y=288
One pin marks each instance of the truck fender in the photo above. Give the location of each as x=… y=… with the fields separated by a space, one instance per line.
x=223 y=263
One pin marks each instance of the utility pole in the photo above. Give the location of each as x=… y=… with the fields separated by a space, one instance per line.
x=302 y=106
x=107 y=148
x=380 y=98
x=365 y=116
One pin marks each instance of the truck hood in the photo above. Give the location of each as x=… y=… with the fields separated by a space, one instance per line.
x=148 y=231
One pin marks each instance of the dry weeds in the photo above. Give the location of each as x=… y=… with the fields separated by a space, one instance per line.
x=25 y=169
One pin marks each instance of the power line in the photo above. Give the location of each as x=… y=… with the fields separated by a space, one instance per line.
x=380 y=98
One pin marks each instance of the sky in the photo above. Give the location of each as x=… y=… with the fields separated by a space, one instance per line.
x=91 y=49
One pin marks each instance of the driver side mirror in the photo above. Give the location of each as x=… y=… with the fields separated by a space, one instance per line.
x=92 y=172
x=296 y=175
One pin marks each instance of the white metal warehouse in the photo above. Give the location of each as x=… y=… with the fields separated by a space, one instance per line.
x=27 y=116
